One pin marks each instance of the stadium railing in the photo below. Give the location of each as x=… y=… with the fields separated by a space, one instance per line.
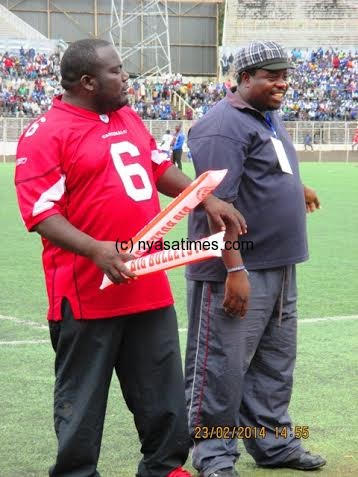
x=326 y=135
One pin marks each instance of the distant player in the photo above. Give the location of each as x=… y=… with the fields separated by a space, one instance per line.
x=165 y=143
x=307 y=141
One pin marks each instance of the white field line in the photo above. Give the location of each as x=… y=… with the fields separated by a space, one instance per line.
x=328 y=318
x=313 y=320
x=33 y=324
x=23 y=322
x=23 y=342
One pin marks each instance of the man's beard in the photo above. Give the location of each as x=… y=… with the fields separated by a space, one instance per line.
x=106 y=105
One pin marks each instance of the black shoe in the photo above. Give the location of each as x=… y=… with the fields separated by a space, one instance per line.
x=304 y=461
x=228 y=472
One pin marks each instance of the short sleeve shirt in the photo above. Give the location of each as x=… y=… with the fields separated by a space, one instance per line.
x=100 y=173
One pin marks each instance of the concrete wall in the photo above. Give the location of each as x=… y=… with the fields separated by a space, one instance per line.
x=328 y=156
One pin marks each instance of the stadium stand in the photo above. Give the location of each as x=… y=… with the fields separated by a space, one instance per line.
x=322 y=36
x=11 y=26
x=303 y=23
x=324 y=86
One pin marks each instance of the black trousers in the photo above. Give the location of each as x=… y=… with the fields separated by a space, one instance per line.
x=143 y=350
x=177 y=153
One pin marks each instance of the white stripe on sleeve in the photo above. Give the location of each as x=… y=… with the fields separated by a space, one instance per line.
x=51 y=195
x=159 y=157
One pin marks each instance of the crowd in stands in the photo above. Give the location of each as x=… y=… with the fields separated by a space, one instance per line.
x=28 y=81
x=324 y=86
x=153 y=100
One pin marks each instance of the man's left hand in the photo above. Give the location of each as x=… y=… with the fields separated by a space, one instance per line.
x=237 y=293
x=311 y=199
x=221 y=213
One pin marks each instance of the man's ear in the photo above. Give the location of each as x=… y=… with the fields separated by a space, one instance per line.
x=245 y=77
x=88 y=82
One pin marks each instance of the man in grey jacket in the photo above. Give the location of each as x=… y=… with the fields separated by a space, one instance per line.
x=239 y=371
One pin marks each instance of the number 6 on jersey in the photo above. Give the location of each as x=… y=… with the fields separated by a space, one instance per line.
x=126 y=172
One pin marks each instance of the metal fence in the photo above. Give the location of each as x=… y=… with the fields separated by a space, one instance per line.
x=329 y=135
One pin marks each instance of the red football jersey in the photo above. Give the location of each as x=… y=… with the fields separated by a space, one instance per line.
x=99 y=172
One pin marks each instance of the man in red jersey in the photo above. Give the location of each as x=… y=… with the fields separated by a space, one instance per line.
x=88 y=173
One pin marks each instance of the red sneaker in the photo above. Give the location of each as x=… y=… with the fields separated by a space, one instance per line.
x=179 y=472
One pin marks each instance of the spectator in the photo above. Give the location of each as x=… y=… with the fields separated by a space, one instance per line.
x=307 y=141
x=165 y=144
x=326 y=79
x=177 y=146
x=355 y=139
x=323 y=86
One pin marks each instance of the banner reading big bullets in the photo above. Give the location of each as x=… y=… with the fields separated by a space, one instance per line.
x=195 y=193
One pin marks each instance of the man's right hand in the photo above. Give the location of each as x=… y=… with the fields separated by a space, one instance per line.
x=58 y=230
x=112 y=263
x=237 y=293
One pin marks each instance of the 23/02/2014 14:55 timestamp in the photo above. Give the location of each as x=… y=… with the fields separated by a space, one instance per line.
x=245 y=432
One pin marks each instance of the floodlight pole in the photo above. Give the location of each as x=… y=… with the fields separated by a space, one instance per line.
x=154 y=36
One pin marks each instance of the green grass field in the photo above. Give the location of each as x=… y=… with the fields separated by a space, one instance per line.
x=325 y=392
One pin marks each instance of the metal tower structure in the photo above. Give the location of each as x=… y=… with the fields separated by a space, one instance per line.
x=140 y=31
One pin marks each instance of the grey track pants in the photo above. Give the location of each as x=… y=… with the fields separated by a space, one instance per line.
x=239 y=372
